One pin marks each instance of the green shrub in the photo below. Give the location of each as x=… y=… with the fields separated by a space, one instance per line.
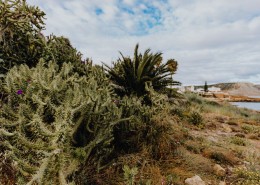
x=195 y=118
x=178 y=111
x=130 y=134
x=147 y=131
x=238 y=141
x=246 y=177
x=194 y=98
x=248 y=128
x=53 y=121
x=194 y=147
x=213 y=103
x=146 y=128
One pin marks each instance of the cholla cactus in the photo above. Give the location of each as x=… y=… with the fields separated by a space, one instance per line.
x=53 y=121
x=21 y=40
x=20 y=37
x=60 y=50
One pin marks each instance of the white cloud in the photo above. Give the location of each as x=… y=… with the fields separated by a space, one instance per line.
x=129 y=2
x=216 y=41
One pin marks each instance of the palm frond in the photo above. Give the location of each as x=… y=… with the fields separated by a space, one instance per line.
x=131 y=74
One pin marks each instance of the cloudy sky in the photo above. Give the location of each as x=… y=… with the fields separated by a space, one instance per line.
x=213 y=40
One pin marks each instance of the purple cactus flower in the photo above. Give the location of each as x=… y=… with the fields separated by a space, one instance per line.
x=20 y=91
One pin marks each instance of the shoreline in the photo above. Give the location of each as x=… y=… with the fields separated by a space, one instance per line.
x=231 y=98
x=255 y=109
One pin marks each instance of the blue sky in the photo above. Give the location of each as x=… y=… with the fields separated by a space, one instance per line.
x=213 y=40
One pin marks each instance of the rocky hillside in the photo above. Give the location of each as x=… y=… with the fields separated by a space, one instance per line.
x=239 y=88
x=248 y=89
x=257 y=86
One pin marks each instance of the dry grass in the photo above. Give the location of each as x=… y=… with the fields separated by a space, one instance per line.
x=194 y=163
x=254 y=136
x=221 y=156
x=232 y=122
x=194 y=146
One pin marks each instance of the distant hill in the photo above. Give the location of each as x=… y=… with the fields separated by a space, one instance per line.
x=239 y=88
x=257 y=86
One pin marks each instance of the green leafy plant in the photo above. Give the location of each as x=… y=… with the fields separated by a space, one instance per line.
x=130 y=75
x=53 y=121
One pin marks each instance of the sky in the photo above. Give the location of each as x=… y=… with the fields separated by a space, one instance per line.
x=212 y=40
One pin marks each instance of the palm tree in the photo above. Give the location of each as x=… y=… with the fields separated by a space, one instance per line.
x=130 y=75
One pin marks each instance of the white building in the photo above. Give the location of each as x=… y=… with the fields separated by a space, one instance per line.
x=214 y=89
x=180 y=89
x=199 y=90
x=189 y=88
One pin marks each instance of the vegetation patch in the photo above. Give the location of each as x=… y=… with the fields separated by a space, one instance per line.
x=246 y=177
x=238 y=141
x=224 y=157
x=64 y=120
x=195 y=118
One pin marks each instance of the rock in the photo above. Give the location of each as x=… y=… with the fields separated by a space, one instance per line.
x=195 y=180
x=230 y=170
x=212 y=138
x=222 y=183
x=219 y=171
x=246 y=163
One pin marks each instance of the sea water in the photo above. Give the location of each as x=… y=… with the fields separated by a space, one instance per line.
x=249 y=105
